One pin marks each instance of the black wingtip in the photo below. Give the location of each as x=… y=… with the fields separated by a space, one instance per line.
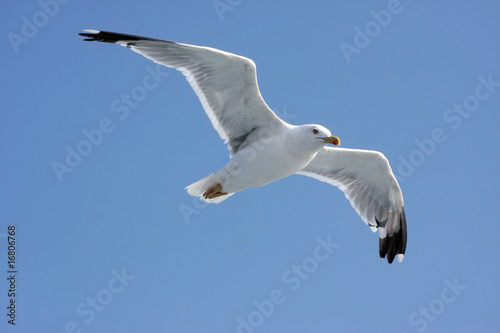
x=111 y=37
x=395 y=244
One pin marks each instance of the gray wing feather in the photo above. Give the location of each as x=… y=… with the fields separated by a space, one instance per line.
x=367 y=180
x=225 y=83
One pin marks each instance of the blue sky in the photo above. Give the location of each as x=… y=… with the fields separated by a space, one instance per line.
x=117 y=245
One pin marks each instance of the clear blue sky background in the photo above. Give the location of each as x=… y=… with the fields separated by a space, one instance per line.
x=119 y=211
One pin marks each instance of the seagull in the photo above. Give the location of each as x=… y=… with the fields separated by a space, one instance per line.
x=264 y=148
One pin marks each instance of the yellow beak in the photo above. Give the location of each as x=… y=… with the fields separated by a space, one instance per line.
x=332 y=139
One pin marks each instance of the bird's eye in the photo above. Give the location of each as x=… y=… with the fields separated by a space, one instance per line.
x=315 y=131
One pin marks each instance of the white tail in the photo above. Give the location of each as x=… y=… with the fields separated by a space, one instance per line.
x=201 y=186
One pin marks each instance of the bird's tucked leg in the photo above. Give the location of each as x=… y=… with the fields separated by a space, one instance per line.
x=214 y=192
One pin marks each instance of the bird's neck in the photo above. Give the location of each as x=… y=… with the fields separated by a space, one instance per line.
x=298 y=148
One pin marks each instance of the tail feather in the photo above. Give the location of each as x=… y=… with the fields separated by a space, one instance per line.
x=197 y=189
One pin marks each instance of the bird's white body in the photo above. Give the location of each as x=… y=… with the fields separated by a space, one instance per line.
x=269 y=158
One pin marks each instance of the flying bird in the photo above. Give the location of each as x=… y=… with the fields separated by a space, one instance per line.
x=264 y=148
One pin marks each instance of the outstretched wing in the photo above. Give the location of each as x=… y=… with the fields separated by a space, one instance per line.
x=225 y=83
x=368 y=182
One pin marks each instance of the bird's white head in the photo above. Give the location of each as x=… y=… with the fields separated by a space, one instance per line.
x=319 y=135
